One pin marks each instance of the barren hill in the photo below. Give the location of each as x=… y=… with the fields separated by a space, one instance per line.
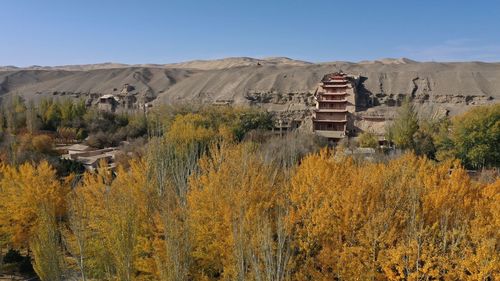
x=279 y=84
x=235 y=62
x=195 y=64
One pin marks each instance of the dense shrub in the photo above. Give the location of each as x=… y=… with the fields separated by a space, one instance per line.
x=42 y=143
x=368 y=139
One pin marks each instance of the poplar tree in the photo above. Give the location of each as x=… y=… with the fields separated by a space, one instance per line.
x=404 y=127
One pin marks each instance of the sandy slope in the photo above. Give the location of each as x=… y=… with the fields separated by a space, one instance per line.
x=39 y=83
x=236 y=62
x=419 y=79
x=454 y=85
x=195 y=64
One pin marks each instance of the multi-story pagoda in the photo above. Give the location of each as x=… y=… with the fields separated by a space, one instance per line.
x=335 y=101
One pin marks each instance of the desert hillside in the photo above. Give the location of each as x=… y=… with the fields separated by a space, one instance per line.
x=279 y=84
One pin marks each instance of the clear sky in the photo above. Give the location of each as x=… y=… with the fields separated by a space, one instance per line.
x=55 y=32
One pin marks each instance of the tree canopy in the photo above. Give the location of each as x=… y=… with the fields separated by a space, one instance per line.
x=474 y=137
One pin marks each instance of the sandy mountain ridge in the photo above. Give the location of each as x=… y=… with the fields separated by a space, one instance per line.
x=279 y=84
x=199 y=64
x=194 y=64
x=389 y=61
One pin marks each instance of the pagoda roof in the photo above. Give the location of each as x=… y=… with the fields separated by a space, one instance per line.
x=334 y=76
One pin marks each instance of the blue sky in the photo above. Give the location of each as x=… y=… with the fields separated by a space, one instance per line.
x=55 y=32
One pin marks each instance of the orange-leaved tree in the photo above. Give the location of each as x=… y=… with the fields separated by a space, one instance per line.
x=237 y=217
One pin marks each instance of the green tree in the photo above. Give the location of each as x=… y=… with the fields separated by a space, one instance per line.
x=32 y=123
x=67 y=113
x=15 y=117
x=368 y=139
x=404 y=127
x=50 y=113
x=425 y=137
x=474 y=137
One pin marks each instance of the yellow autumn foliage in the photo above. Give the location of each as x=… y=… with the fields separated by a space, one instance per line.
x=23 y=190
x=230 y=212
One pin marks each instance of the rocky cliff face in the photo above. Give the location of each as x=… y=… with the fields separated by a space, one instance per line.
x=278 y=84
